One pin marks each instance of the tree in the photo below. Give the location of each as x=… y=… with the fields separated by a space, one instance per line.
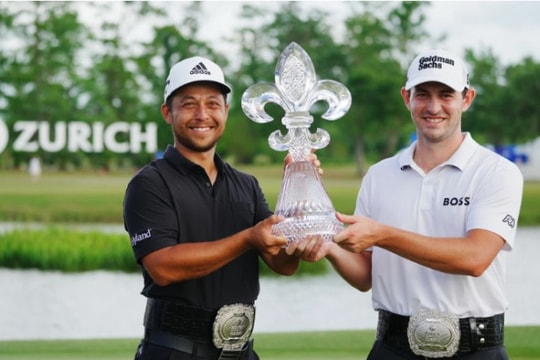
x=377 y=51
x=260 y=51
x=41 y=71
x=54 y=68
x=484 y=117
x=522 y=115
x=112 y=91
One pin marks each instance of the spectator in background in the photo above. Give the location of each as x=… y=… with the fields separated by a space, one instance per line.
x=34 y=168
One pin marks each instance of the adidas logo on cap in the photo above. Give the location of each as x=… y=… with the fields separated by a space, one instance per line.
x=192 y=70
x=200 y=69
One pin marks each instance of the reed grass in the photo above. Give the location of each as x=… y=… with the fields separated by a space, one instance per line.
x=71 y=250
x=60 y=248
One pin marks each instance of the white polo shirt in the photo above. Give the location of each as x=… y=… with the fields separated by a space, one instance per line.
x=474 y=189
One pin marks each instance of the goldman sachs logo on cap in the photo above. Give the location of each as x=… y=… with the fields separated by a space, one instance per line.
x=200 y=69
x=433 y=62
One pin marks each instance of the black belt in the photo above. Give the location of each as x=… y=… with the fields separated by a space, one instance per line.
x=476 y=333
x=180 y=343
x=189 y=346
x=186 y=329
x=179 y=319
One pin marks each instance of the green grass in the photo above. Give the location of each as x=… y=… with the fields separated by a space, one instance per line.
x=523 y=343
x=97 y=198
x=63 y=198
x=530 y=209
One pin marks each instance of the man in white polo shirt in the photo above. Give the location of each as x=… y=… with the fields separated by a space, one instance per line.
x=432 y=228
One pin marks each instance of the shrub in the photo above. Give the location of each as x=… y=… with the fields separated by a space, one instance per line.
x=58 y=248
x=63 y=249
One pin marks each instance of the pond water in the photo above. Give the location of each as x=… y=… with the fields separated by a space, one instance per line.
x=99 y=304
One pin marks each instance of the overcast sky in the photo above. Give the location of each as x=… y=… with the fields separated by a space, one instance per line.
x=511 y=29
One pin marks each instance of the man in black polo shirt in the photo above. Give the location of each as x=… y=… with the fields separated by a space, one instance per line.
x=197 y=228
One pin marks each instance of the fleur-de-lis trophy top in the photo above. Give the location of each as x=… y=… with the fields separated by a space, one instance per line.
x=296 y=89
x=303 y=200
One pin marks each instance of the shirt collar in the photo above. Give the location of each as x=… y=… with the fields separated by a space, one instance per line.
x=182 y=164
x=459 y=159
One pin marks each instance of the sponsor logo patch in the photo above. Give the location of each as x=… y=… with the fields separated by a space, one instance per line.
x=457 y=201
x=135 y=238
x=510 y=221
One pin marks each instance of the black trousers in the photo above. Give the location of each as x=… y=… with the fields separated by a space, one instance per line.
x=147 y=351
x=382 y=351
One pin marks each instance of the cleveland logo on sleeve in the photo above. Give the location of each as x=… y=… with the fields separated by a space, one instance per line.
x=135 y=238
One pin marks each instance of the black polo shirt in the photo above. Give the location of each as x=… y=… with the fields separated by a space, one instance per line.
x=172 y=201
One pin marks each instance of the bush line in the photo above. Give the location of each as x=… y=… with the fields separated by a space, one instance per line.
x=56 y=248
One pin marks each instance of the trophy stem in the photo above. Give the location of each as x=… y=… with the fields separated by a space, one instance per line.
x=304 y=203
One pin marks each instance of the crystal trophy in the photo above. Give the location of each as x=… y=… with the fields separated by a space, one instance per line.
x=303 y=200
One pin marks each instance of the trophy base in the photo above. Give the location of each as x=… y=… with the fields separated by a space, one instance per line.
x=299 y=228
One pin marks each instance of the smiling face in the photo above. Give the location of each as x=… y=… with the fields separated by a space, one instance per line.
x=197 y=115
x=436 y=110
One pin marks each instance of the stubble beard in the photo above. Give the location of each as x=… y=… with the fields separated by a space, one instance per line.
x=188 y=143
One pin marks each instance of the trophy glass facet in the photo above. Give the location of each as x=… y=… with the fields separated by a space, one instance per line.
x=303 y=200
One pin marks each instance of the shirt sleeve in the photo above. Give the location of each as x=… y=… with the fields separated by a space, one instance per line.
x=498 y=202
x=149 y=214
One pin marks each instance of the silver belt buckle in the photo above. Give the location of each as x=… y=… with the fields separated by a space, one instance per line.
x=433 y=334
x=232 y=328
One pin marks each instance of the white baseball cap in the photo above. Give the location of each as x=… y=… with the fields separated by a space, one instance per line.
x=192 y=70
x=440 y=66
